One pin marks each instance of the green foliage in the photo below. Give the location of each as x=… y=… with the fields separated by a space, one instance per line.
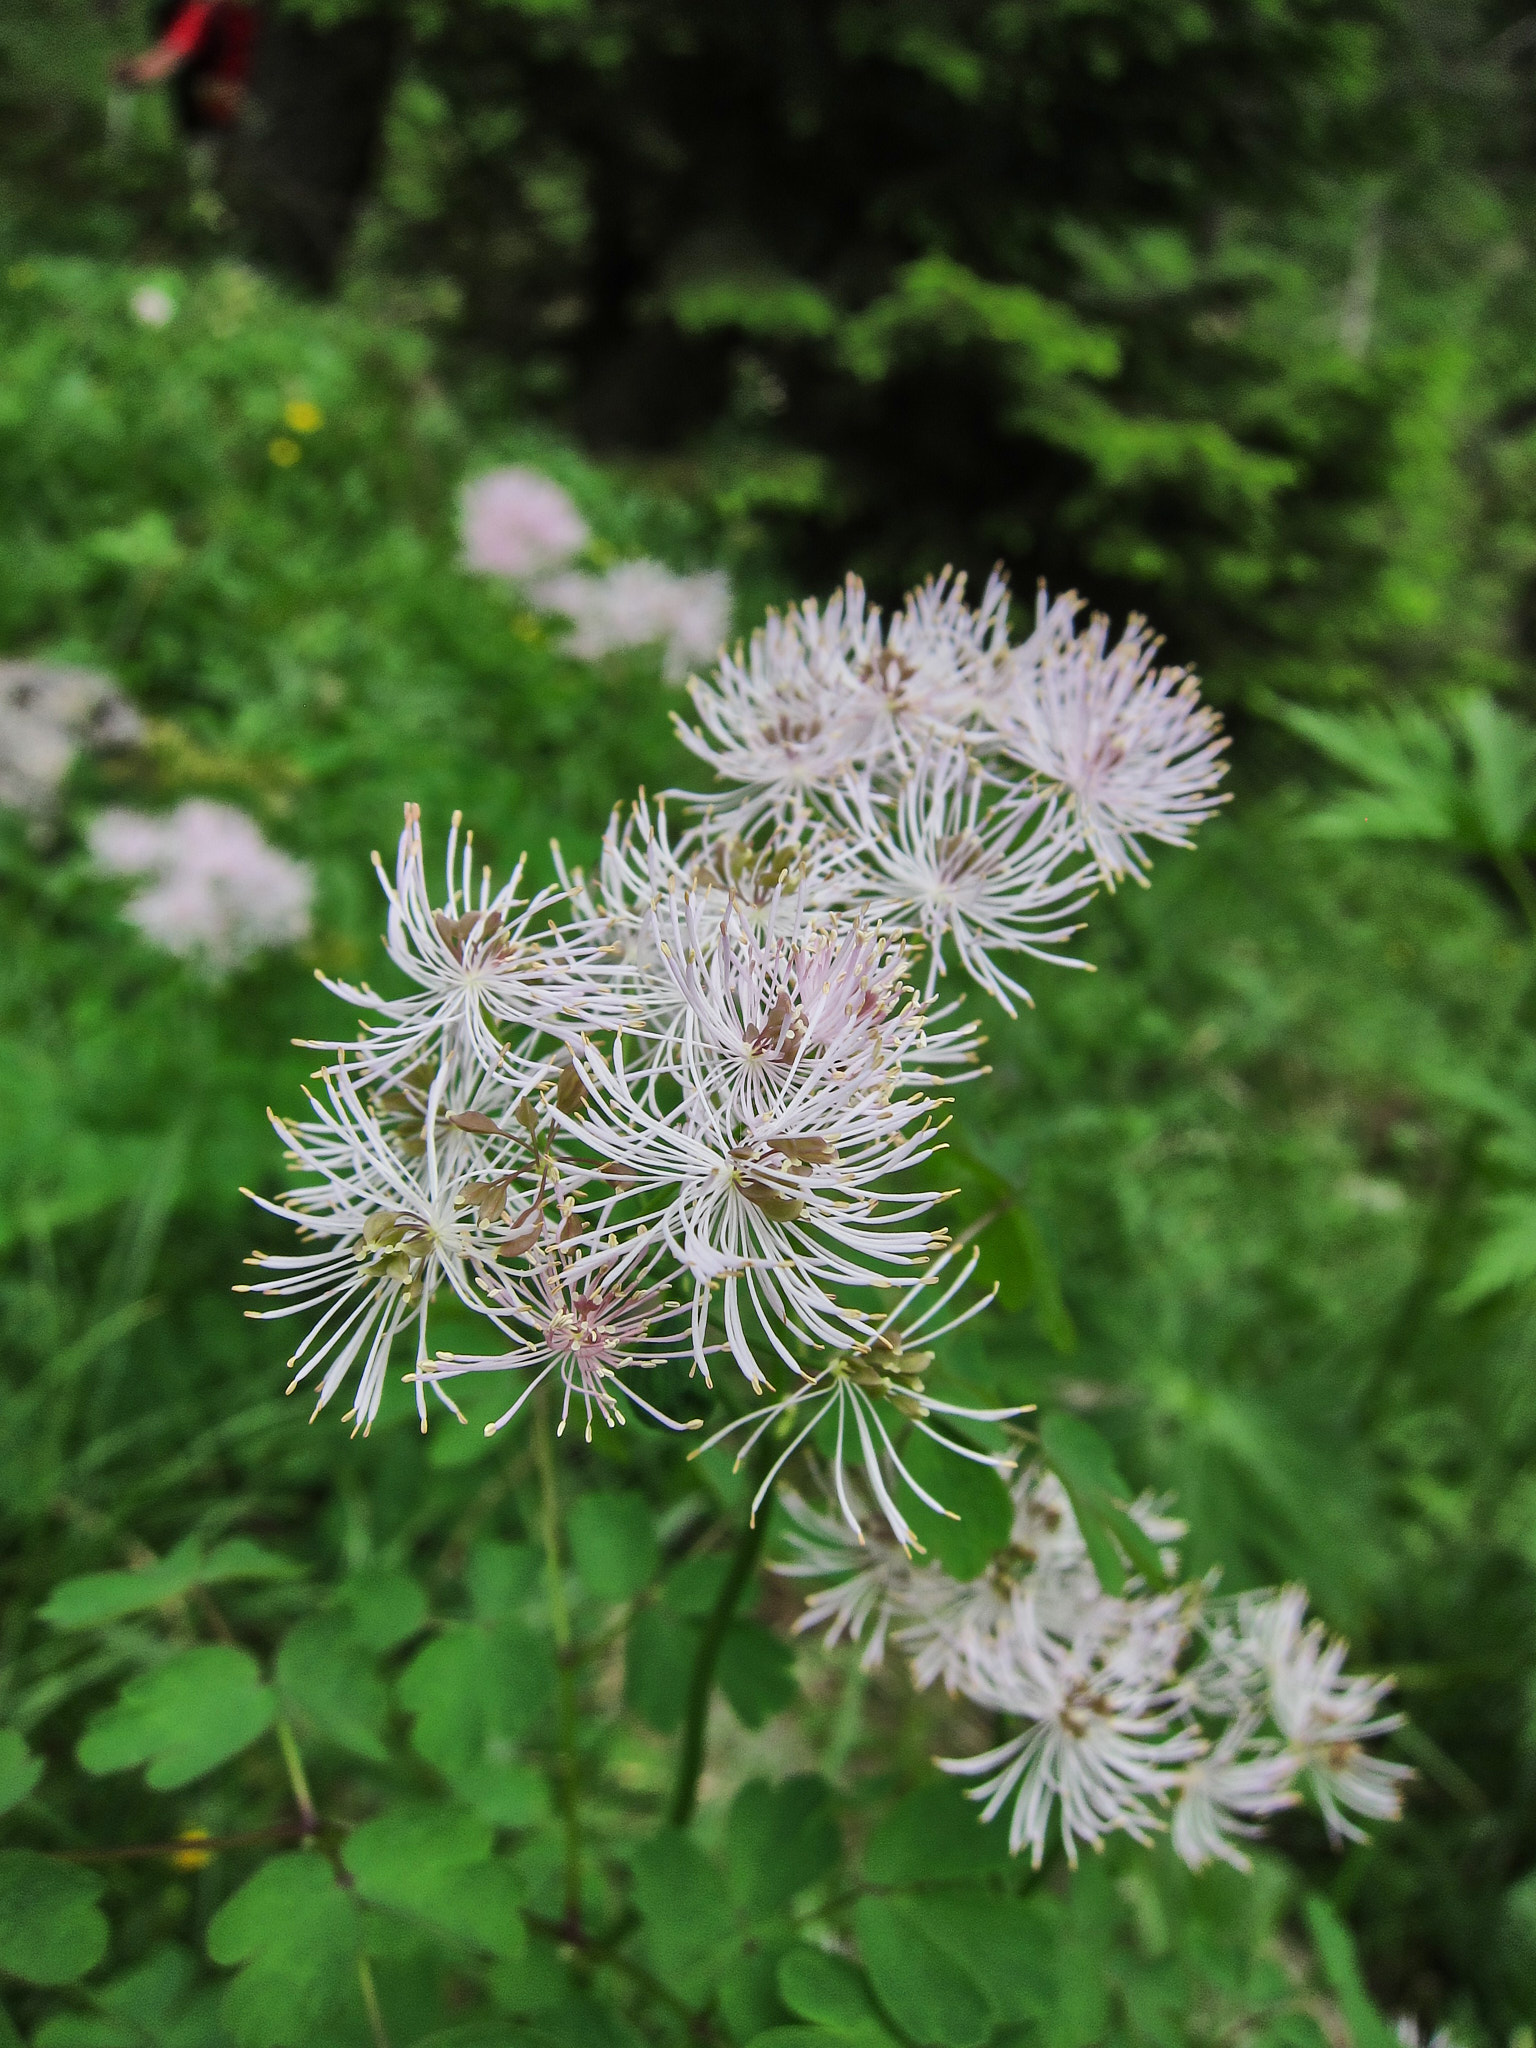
x=1248 y=1189
x=50 y=1928
x=19 y=1769
x=181 y=1719
x=291 y=1934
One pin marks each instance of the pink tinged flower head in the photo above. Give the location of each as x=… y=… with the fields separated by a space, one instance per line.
x=1136 y=752
x=825 y=690
x=637 y=604
x=216 y=892
x=586 y=1323
x=971 y=879
x=516 y=523
x=395 y=1217
x=478 y=958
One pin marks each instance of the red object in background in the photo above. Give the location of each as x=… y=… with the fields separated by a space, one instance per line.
x=212 y=42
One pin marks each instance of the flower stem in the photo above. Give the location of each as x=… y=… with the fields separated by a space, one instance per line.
x=565 y=1661
x=303 y=1798
x=701 y=1680
x=371 y=2005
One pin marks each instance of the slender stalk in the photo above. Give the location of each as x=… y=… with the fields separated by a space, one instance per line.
x=565 y=1660
x=303 y=1798
x=1513 y=867
x=371 y=2005
x=701 y=1680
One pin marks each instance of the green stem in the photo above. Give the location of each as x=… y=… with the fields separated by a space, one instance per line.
x=371 y=2004
x=701 y=1680
x=303 y=1798
x=1513 y=868
x=560 y=1622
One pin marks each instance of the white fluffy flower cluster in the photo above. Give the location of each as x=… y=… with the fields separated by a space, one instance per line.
x=48 y=712
x=684 y=1109
x=521 y=525
x=215 y=891
x=1137 y=1704
x=969 y=792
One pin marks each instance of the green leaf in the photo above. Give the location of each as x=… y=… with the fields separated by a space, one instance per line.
x=933 y=1834
x=658 y=1657
x=182 y=1719
x=332 y=1683
x=1014 y=1255
x=434 y=1862
x=998 y=1940
x=1085 y=1465
x=1336 y=1953
x=929 y=1995
x=294 y=1931
x=756 y=1672
x=502 y=1579
x=50 y=1929
x=240 y=1558
x=695 y=1585
x=778 y=1840
x=689 y=1928
x=974 y=1492
x=385 y=1606
x=9 y=2038
x=830 y=1991
x=19 y=1769
x=749 y=1992
x=476 y=1695
x=101 y=1597
x=614 y=1544
x=163 y=2000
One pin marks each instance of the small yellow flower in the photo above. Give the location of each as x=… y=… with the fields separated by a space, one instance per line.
x=303 y=415
x=192 y=1857
x=284 y=452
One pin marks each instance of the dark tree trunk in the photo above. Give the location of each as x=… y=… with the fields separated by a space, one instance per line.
x=307 y=147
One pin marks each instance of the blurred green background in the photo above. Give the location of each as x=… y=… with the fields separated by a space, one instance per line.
x=1225 y=313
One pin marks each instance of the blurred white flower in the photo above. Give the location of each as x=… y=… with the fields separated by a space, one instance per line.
x=635 y=604
x=47 y=713
x=217 y=891
x=152 y=305
x=517 y=523
x=871 y=1582
x=1325 y=1715
x=1225 y=1793
x=1107 y=1731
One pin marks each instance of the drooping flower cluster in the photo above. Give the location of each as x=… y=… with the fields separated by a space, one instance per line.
x=685 y=1110
x=521 y=525
x=215 y=891
x=1135 y=1706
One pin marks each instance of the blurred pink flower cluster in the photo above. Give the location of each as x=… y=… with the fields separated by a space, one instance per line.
x=215 y=891
x=522 y=526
